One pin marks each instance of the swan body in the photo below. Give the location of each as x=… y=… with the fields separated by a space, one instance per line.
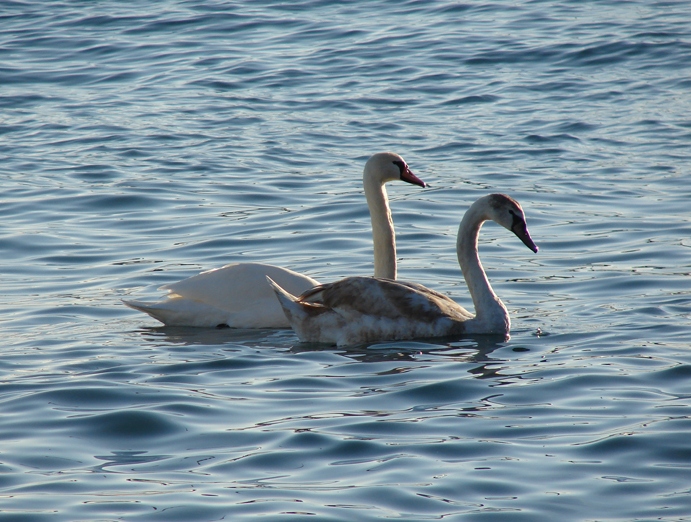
x=238 y=295
x=359 y=310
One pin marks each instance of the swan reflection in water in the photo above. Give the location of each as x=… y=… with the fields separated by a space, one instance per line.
x=223 y=344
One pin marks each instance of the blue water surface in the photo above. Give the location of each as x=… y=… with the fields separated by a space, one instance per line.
x=143 y=142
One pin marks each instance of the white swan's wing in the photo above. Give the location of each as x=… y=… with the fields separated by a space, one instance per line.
x=230 y=287
x=236 y=295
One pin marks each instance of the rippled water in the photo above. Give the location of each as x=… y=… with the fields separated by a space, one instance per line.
x=144 y=142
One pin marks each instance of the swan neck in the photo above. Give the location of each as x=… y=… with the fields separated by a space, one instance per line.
x=489 y=310
x=383 y=235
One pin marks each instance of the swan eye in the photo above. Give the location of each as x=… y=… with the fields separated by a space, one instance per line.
x=401 y=166
x=517 y=220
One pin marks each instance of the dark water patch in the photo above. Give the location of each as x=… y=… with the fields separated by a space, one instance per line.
x=678 y=373
x=221 y=85
x=123 y=428
x=459 y=7
x=111 y=202
x=304 y=385
x=485 y=98
x=118 y=77
x=97 y=173
x=513 y=56
x=536 y=138
x=439 y=393
x=627 y=444
x=78 y=399
x=21 y=100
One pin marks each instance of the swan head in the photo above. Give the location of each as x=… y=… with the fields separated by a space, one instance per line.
x=508 y=213
x=389 y=166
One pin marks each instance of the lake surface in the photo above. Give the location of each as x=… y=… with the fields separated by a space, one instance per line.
x=143 y=142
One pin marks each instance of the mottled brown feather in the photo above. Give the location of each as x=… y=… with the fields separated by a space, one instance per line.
x=393 y=299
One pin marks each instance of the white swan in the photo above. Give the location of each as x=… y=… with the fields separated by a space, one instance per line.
x=365 y=309
x=238 y=295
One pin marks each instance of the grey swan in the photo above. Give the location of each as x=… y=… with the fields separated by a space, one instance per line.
x=358 y=310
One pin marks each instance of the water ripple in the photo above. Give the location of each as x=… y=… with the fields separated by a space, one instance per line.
x=140 y=147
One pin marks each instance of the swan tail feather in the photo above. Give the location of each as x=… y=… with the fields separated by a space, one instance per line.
x=289 y=303
x=303 y=317
x=148 y=308
x=182 y=312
